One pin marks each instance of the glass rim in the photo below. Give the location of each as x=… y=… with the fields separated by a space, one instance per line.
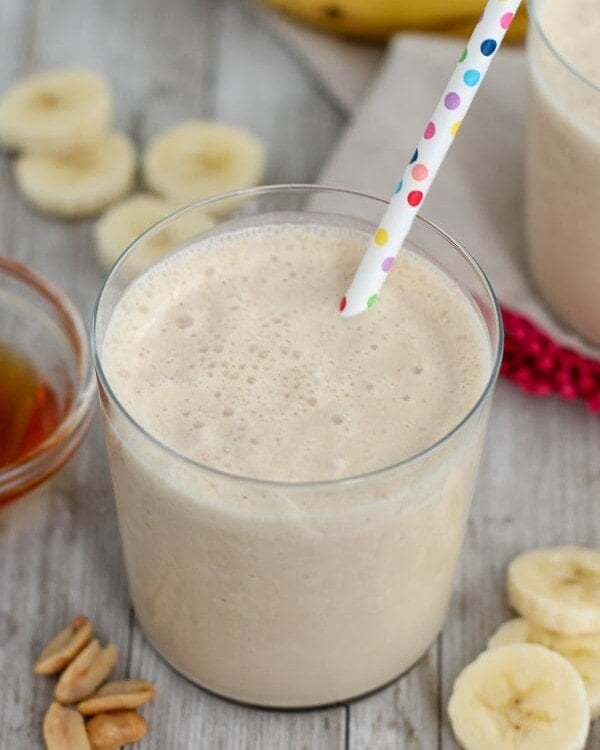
x=533 y=7
x=318 y=483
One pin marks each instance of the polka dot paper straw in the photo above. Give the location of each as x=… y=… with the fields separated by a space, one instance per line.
x=428 y=156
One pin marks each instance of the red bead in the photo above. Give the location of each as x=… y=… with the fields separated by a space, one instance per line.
x=541 y=389
x=568 y=391
x=587 y=384
x=541 y=367
x=519 y=332
x=534 y=347
x=546 y=363
x=563 y=376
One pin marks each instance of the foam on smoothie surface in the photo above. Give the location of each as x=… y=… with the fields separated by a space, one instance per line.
x=233 y=353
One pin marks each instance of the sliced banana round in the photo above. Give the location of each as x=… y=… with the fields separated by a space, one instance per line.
x=582 y=651
x=55 y=111
x=80 y=182
x=519 y=697
x=127 y=220
x=557 y=588
x=124 y=222
x=201 y=158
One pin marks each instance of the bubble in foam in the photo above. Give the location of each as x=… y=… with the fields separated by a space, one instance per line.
x=184 y=321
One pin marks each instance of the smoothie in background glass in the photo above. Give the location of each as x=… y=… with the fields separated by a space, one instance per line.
x=563 y=160
x=292 y=487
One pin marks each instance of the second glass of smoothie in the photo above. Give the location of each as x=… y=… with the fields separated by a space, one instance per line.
x=562 y=185
x=292 y=487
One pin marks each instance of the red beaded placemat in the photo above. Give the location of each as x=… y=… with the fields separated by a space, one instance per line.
x=541 y=367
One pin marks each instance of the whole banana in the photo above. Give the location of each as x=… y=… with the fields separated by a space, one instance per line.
x=378 y=19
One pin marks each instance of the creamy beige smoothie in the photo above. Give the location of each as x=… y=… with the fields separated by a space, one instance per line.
x=563 y=160
x=290 y=588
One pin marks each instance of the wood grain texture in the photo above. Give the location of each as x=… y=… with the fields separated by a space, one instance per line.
x=59 y=548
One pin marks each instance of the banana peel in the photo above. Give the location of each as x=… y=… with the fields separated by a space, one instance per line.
x=375 y=20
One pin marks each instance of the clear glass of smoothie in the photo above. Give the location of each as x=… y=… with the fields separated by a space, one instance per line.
x=563 y=160
x=292 y=487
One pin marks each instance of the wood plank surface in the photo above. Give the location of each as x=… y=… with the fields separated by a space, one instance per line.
x=59 y=548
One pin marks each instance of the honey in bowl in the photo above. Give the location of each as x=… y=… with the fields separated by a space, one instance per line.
x=29 y=408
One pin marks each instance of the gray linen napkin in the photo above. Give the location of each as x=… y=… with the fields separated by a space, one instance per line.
x=477 y=196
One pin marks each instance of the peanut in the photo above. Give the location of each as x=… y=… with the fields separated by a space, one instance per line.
x=64 y=647
x=117 y=695
x=83 y=675
x=109 y=730
x=64 y=729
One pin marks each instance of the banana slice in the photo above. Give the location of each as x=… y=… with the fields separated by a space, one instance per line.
x=126 y=221
x=519 y=697
x=79 y=182
x=200 y=158
x=557 y=588
x=583 y=651
x=56 y=111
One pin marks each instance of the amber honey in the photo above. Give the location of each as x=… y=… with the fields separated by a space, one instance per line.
x=29 y=408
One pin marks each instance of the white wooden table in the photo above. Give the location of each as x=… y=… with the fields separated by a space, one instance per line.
x=59 y=548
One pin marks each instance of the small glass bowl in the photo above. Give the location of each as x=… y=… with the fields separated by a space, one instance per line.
x=38 y=321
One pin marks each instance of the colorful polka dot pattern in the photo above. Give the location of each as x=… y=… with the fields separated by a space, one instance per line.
x=419 y=172
x=414 y=198
x=488 y=47
x=471 y=77
x=381 y=237
x=428 y=156
x=452 y=100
